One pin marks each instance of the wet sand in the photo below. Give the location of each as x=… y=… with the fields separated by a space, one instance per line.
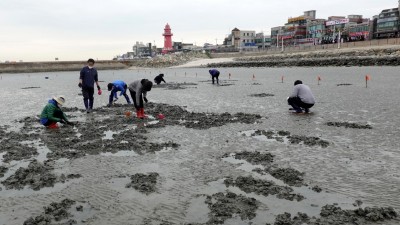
x=220 y=156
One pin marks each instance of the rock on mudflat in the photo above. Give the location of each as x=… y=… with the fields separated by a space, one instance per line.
x=263 y=187
x=145 y=183
x=225 y=206
x=53 y=213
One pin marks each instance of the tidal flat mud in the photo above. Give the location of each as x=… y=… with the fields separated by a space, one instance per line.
x=293 y=139
x=35 y=176
x=224 y=206
x=289 y=176
x=349 y=125
x=144 y=183
x=344 y=84
x=262 y=95
x=175 y=86
x=53 y=213
x=333 y=215
x=250 y=184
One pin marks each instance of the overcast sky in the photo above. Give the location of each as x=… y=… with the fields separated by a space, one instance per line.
x=40 y=30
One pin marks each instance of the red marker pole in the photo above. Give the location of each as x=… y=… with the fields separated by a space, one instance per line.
x=367 y=78
x=282 y=79
x=318 y=78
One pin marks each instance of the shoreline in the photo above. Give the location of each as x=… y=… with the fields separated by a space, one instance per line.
x=366 y=56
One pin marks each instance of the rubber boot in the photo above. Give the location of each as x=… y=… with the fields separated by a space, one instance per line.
x=53 y=126
x=143 y=115
x=139 y=114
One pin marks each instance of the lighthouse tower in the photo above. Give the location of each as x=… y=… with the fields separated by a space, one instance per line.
x=167 y=39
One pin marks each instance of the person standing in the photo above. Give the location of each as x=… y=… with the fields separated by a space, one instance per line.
x=138 y=90
x=214 y=75
x=301 y=97
x=160 y=78
x=116 y=86
x=52 y=113
x=88 y=77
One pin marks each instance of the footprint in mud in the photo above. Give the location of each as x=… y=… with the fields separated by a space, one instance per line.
x=349 y=125
x=144 y=183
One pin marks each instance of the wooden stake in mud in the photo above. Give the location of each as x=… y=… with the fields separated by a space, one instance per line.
x=367 y=78
x=229 y=76
x=282 y=78
x=196 y=74
x=319 y=79
x=254 y=77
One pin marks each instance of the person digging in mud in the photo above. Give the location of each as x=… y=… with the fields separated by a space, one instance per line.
x=88 y=76
x=138 y=90
x=114 y=87
x=301 y=97
x=52 y=113
x=158 y=79
x=214 y=75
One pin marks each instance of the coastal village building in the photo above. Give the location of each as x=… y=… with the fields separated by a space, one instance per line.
x=263 y=41
x=241 y=39
x=388 y=23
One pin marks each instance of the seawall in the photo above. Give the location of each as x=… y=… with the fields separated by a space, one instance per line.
x=33 y=67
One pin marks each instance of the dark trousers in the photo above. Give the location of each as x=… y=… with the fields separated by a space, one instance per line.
x=57 y=114
x=88 y=99
x=139 y=104
x=215 y=77
x=297 y=104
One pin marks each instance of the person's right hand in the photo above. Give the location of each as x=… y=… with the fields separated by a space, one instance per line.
x=80 y=85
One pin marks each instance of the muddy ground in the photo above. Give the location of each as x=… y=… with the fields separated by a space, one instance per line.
x=349 y=125
x=211 y=136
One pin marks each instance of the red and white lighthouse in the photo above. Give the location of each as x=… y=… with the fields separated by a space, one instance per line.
x=167 y=39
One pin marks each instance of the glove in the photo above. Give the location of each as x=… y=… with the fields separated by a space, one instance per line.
x=99 y=91
x=145 y=99
x=80 y=85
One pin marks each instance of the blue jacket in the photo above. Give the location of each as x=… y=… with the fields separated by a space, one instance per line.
x=214 y=72
x=119 y=85
x=88 y=76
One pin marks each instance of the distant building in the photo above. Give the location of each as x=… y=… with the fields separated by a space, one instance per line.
x=388 y=24
x=241 y=39
x=263 y=41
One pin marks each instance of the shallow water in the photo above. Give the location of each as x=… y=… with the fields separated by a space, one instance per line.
x=359 y=164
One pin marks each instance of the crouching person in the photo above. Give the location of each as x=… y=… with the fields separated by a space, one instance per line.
x=301 y=97
x=138 y=90
x=114 y=87
x=52 y=113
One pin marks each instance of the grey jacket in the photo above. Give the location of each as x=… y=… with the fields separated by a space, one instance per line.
x=304 y=93
x=137 y=87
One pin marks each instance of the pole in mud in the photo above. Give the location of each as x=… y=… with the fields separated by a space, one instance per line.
x=229 y=76
x=282 y=79
x=319 y=79
x=254 y=77
x=367 y=78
